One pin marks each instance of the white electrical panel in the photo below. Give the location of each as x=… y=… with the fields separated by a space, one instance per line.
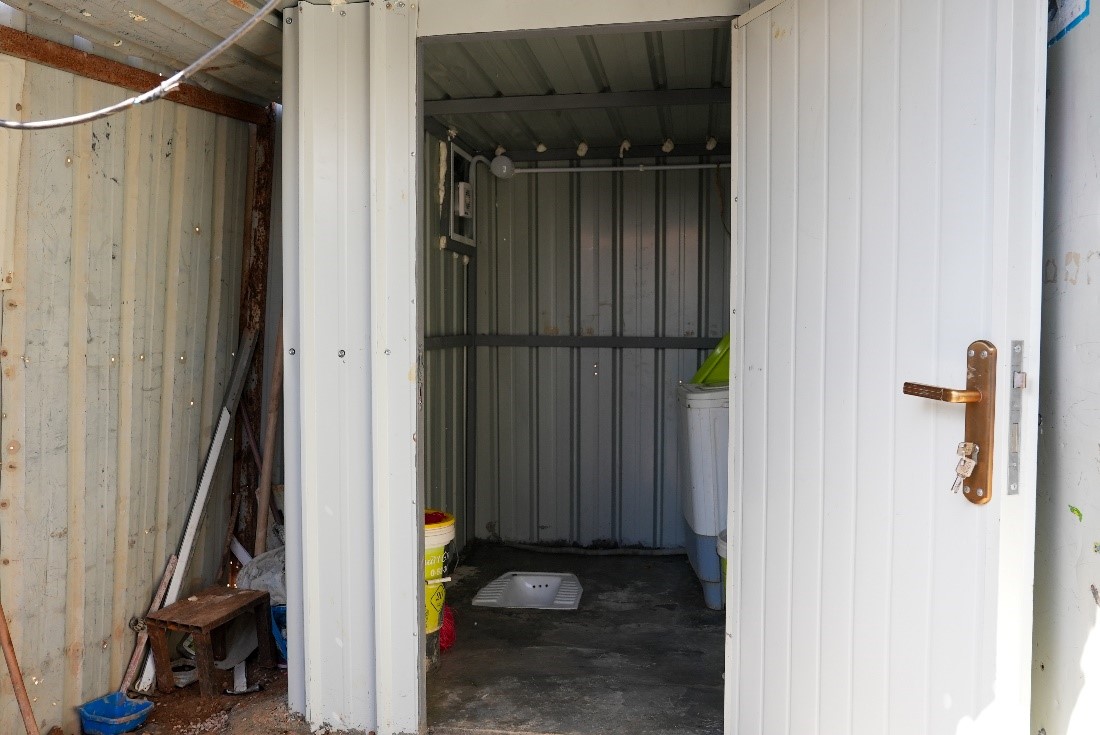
x=464 y=199
x=461 y=223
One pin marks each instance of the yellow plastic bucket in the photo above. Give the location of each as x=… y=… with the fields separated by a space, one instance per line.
x=434 y=599
x=439 y=536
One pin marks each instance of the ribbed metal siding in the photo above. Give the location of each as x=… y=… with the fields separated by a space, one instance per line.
x=579 y=444
x=585 y=63
x=117 y=336
x=444 y=369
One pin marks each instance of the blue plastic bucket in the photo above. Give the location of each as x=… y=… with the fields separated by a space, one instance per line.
x=278 y=625
x=113 y=714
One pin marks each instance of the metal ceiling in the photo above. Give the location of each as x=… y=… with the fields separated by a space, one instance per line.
x=163 y=36
x=589 y=75
x=599 y=89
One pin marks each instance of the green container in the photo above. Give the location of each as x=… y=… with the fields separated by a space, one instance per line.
x=716 y=368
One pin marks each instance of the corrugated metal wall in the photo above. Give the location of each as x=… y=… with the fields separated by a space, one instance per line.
x=444 y=368
x=117 y=339
x=579 y=444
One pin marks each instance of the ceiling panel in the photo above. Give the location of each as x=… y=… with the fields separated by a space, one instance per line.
x=164 y=36
x=544 y=65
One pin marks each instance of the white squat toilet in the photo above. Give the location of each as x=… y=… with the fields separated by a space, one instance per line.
x=704 y=459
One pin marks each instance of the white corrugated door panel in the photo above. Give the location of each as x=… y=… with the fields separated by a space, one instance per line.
x=353 y=369
x=889 y=210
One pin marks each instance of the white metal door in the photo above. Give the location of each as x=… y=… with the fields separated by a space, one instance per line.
x=889 y=214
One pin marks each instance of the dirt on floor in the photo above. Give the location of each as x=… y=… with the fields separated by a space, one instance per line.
x=184 y=712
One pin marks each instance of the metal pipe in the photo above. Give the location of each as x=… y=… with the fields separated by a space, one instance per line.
x=638 y=167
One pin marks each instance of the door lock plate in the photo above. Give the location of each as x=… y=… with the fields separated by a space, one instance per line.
x=980 y=398
x=1015 y=413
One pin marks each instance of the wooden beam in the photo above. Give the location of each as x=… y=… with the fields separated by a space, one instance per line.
x=588 y=101
x=58 y=56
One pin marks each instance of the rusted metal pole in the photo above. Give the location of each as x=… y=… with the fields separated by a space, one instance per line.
x=49 y=53
x=253 y=312
x=16 y=676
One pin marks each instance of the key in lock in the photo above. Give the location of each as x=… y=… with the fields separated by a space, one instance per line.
x=968 y=460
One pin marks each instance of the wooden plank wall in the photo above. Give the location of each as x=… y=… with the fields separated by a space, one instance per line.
x=116 y=340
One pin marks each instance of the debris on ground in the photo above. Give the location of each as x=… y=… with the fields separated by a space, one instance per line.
x=184 y=712
x=213 y=723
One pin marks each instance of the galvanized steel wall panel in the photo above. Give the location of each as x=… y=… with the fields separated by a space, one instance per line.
x=118 y=334
x=579 y=444
x=444 y=369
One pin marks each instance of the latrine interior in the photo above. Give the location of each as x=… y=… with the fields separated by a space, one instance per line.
x=562 y=311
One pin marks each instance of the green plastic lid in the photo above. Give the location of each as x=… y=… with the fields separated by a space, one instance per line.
x=716 y=368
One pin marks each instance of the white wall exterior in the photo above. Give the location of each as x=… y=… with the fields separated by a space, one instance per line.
x=349 y=248
x=352 y=372
x=1067 y=561
x=356 y=109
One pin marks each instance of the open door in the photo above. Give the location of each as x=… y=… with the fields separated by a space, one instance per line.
x=889 y=216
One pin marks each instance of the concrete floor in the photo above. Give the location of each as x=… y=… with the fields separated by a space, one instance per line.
x=642 y=655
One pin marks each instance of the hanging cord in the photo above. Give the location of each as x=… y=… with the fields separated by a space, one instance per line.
x=722 y=200
x=165 y=87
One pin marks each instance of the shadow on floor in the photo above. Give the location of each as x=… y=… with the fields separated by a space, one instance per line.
x=642 y=655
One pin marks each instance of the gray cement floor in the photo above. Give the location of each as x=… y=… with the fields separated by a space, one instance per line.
x=642 y=655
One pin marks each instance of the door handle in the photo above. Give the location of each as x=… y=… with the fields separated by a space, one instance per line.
x=936 y=393
x=979 y=397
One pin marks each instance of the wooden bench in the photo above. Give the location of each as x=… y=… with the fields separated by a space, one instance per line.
x=202 y=616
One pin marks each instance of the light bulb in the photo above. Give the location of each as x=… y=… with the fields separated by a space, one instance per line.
x=502 y=167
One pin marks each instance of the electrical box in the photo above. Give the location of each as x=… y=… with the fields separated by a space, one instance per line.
x=464 y=199
x=458 y=215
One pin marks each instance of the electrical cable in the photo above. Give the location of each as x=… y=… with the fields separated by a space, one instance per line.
x=157 y=92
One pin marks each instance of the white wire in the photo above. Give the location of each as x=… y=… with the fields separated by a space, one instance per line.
x=165 y=87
